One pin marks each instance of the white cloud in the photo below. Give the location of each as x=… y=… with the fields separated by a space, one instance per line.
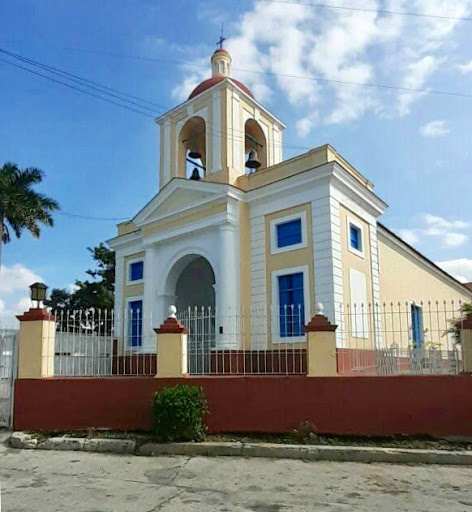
x=465 y=68
x=434 y=129
x=16 y=277
x=409 y=235
x=460 y=268
x=446 y=232
x=14 y=292
x=277 y=42
x=454 y=239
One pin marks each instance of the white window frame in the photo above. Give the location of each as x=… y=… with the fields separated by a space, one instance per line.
x=352 y=222
x=274 y=249
x=125 y=326
x=128 y=271
x=364 y=331
x=410 y=320
x=275 y=325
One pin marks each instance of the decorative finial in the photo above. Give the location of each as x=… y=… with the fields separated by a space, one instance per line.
x=222 y=39
x=319 y=308
x=172 y=312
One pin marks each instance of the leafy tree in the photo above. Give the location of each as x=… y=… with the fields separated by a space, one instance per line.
x=21 y=207
x=97 y=293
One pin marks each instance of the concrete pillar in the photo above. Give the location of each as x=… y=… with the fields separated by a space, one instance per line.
x=171 y=347
x=226 y=290
x=466 y=342
x=150 y=302
x=321 y=346
x=36 y=344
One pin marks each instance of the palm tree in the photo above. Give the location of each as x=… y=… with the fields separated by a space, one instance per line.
x=21 y=207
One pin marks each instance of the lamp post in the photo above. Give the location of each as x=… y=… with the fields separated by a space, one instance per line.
x=38 y=293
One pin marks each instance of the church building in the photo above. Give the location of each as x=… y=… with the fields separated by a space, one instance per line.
x=236 y=228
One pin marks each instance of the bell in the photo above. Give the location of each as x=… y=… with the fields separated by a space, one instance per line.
x=195 y=175
x=194 y=154
x=253 y=161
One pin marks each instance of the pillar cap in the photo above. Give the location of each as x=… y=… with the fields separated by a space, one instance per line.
x=171 y=326
x=35 y=314
x=319 y=323
x=467 y=323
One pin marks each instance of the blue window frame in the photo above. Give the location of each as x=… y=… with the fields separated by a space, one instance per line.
x=417 y=331
x=289 y=233
x=135 y=323
x=136 y=271
x=355 y=237
x=291 y=305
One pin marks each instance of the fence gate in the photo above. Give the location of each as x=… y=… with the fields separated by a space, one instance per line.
x=8 y=351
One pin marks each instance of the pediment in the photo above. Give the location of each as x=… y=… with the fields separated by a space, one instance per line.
x=178 y=197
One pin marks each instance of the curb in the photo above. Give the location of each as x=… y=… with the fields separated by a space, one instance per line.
x=24 y=441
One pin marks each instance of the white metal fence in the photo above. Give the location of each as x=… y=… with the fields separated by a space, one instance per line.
x=400 y=338
x=86 y=344
x=8 y=339
x=381 y=339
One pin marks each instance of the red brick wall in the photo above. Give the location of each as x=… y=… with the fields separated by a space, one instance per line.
x=339 y=405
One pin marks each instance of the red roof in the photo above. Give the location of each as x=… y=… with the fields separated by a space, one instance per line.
x=206 y=84
x=221 y=50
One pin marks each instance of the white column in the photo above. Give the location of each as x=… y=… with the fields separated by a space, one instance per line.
x=119 y=291
x=149 y=299
x=227 y=308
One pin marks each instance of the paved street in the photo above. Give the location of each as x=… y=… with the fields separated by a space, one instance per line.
x=42 y=481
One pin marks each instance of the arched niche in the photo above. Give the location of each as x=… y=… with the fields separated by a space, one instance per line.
x=254 y=138
x=192 y=139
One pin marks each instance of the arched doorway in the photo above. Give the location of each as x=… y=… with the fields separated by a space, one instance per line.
x=193 y=281
x=195 y=287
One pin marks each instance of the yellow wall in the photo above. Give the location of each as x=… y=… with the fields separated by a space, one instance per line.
x=405 y=278
x=132 y=290
x=289 y=259
x=361 y=264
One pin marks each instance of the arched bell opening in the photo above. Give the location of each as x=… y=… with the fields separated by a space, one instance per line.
x=192 y=149
x=255 y=146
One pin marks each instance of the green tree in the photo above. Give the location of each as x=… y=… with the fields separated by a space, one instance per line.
x=21 y=207
x=97 y=293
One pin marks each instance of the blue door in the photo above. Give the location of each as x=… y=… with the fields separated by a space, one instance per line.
x=135 y=323
x=417 y=332
x=292 y=305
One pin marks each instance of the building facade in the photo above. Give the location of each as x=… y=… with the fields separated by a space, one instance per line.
x=268 y=241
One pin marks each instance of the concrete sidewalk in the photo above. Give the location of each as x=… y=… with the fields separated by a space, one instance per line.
x=51 y=481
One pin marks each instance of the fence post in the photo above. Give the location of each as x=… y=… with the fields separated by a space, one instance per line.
x=466 y=341
x=36 y=344
x=171 y=347
x=321 y=346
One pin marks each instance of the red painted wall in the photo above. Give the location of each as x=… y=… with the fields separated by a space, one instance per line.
x=339 y=405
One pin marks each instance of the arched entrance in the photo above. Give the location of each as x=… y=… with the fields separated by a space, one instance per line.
x=195 y=287
x=192 y=281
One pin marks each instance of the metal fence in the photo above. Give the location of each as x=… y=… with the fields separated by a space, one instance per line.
x=97 y=343
x=8 y=339
x=381 y=339
x=239 y=342
x=400 y=338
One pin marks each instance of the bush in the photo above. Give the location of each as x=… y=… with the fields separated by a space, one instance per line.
x=179 y=414
x=305 y=433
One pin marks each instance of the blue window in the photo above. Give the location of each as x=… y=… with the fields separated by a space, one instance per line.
x=355 y=237
x=135 y=323
x=136 y=271
x=291 y=305
x=289 y=233
x=417 y=332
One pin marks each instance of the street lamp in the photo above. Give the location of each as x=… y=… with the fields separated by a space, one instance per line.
x=38 y=293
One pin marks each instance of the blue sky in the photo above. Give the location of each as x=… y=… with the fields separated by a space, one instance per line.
x=102 y=161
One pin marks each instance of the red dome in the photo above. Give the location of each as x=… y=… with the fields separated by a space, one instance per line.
x=206 y=84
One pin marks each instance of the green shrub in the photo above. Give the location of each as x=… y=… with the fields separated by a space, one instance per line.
x=305 y=433
x=179 y=414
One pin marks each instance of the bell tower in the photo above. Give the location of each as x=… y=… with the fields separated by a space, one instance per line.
x=220 y=133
